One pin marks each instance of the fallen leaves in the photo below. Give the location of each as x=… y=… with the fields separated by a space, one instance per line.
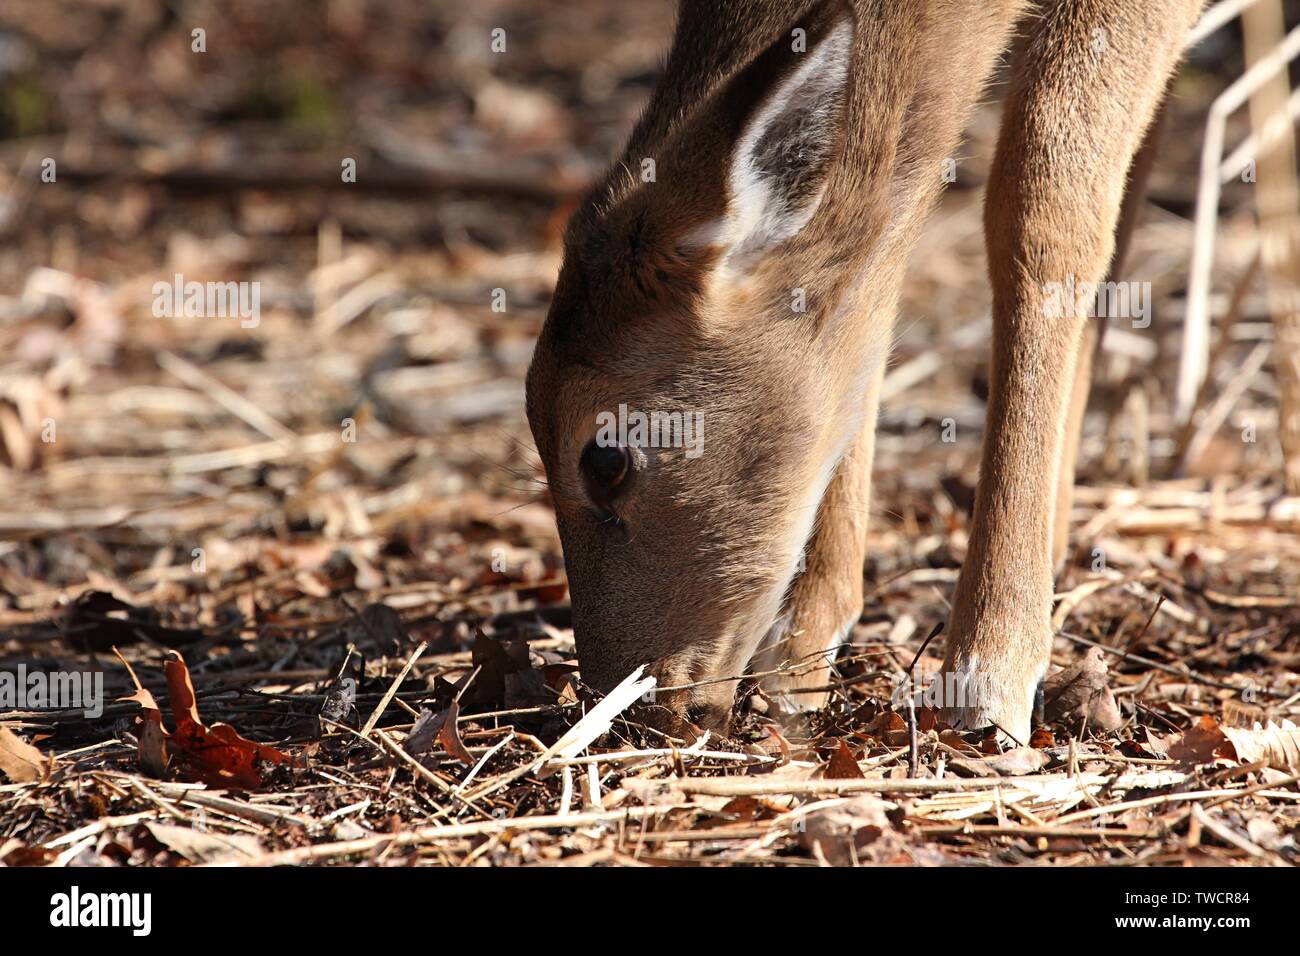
x=449 y=735
x=216 y=755
x=380 y=628
x=19 y=760
x=203 y=847
x=442 y=727
x=1082 y=692
x=842 y=765
x=1274 y=746
x=506 y=675
x=1206 y=741
x=97 y=621
x=151 y=736
x=1013 y=763
x=854 y=832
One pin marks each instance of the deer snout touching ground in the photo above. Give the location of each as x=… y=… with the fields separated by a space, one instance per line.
x=704 y=392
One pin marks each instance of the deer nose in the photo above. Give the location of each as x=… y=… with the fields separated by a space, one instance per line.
x=710 y=716
x=703 y=708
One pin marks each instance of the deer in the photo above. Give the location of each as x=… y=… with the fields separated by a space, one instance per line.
x=742 y=263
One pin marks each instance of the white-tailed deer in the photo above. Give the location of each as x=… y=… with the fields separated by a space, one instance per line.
x=740 y=269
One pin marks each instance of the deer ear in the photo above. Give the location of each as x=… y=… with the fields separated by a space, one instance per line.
x=778 y=167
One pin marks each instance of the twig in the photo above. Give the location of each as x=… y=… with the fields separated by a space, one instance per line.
x=1228 y=835
x=756 y=786
x=453 y=831
x=226 y=397
x=1161 y=800
x=392 y=690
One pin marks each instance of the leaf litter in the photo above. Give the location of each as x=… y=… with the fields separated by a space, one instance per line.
x=299 y=573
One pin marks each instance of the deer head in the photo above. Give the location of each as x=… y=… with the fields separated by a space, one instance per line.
x=694 y=387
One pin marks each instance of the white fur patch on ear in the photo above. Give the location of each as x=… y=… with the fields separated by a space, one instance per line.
x=778 y=169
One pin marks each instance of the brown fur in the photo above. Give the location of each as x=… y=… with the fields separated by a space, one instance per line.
x=697 y=567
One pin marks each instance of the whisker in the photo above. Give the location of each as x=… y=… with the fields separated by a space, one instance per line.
x=522 y=504
x=517 y=475
x=523 y=445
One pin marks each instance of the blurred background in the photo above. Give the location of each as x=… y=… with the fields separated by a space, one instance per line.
x=397 y=189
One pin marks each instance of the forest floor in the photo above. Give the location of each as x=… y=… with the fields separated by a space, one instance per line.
x=327 y=529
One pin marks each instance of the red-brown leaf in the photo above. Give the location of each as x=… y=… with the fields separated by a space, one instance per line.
x=842 y=765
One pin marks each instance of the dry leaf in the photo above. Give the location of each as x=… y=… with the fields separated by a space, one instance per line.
x=214 y=755
x=424 y=733
x=506 y=674
x=380 y=627
x=1013 y=763
x=1082 y=690
x=857 y=830
x=151 y=737
x=1278 y=747
x=1018 y=761
x=774 y=743
x=101 y=621
x=203 y=847
x=842 y=766
x=957 y=742
x=20 y=761
x=449 y=736
x=1042 y=738
x=1204 y=742
x=340 y=705
x=971 y=767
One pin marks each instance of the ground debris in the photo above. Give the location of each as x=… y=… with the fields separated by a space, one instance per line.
x=337 y=515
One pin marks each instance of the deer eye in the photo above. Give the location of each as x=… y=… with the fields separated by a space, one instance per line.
x=604 y=469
